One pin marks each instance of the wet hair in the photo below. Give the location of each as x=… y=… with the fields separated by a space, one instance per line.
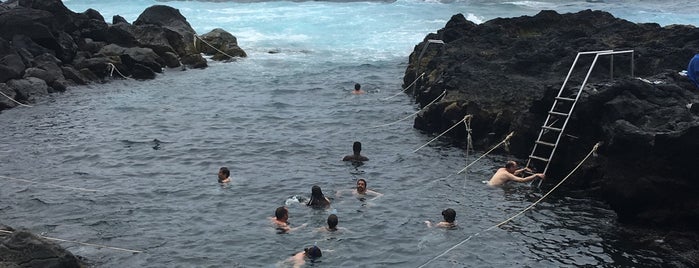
x=225 y=171
x=449 y=215
x=313 y=252
x=510 y=164
x=362 y=180
x=357 y=86
x=317 y=198
x=332 y=221
x=357 y=147
x=281 y=212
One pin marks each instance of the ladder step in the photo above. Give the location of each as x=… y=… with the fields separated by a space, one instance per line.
x=557 y=113
x=546 y=143
x=538 y=158
x=552 y=128
x=564 y=99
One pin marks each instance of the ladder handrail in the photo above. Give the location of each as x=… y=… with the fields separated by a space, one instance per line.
x=574 y=102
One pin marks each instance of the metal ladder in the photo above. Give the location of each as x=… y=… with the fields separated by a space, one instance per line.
x=559 y=114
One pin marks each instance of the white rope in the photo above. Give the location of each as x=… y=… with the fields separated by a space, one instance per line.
x=406 y=88
x=195 y=45
x=594 y=149
x=457 y=123
x=21 y=104
x=469 y=144
x=509 y=136
x=112 y=68
x=437 y=98
x=50 y=184
x=82 y=243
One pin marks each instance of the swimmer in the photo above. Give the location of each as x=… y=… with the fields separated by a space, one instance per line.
x=357 y=89
x=281 y=220
x=449 y=219
x=362 y=190
x=356 y=156
x=332 y=225
x=224 y=175
x=312 y=253
x=318 y=200
x=511 y=173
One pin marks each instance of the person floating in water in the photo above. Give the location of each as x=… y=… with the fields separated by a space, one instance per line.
x=449 y=219
x=362 y=190
x=318 y=200
x=311 y=253
x=224 y=175
x=281 y=220
x=356 y=157
x=357 y=89
x=511 y=173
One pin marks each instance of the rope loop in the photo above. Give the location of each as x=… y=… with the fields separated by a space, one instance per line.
x=113 y=68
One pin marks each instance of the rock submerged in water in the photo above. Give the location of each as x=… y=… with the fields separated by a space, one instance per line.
x=21 y=248
x=507 y=71
x=43 y=39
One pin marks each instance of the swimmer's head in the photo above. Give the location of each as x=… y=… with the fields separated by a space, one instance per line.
x=332 y=221
x=511 y=166
x=313 y=252
x=281 y=213
x=357 y=86
x=449 y=215
x=316 y=192
x=223 y=173
x=361 y=186
x=357 y=147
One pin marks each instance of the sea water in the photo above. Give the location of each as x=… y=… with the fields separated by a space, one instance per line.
x=133 y=164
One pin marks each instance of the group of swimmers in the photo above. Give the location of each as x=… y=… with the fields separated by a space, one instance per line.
x=510 y=172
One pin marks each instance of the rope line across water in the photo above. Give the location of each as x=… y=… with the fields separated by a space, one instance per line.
x=81 y=243
x=594 y=149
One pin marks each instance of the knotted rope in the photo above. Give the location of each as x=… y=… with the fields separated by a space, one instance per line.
x=505 y=141
x=112 y=68
x=457 y=123
x=594 y=149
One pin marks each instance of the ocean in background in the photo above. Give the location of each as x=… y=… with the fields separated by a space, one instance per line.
x=282 y=122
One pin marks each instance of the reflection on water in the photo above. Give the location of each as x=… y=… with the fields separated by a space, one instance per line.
x=153 y=149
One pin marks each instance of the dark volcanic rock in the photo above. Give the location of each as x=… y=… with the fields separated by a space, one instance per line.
x=221 y=44
x=177 y=30
x=42 y=39
x=506 y=73
x=24 y=249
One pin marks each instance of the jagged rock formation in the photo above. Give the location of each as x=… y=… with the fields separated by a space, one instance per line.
x=20 y=248
x=506 y=72
x=45 y=47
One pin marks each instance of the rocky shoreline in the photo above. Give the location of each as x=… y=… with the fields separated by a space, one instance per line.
x=507 y=71
x=45 y=47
